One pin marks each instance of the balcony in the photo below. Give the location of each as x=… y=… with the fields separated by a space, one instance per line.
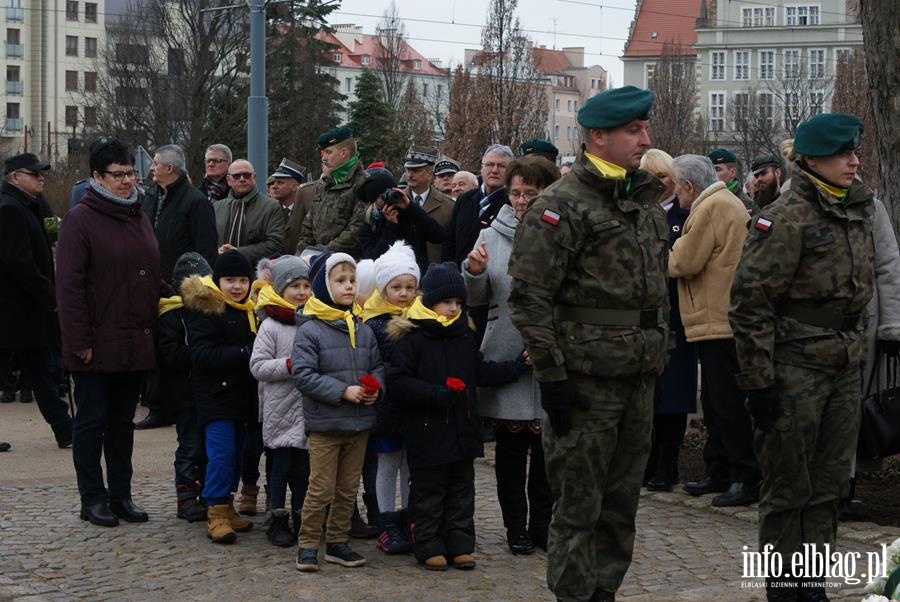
x=15 y=14
x=14 y=124
x=13 y=51
x=16 y=87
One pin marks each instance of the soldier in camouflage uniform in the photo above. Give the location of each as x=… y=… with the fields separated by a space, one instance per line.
x=805 y=278
x=589 y=297
x=334 y=218
x=725 y=163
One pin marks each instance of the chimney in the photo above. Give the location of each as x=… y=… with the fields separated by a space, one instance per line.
x=575 y=54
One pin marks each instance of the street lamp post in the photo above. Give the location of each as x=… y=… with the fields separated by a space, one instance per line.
x=258 y=103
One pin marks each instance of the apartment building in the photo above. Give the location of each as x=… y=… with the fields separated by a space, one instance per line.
x=657 y=23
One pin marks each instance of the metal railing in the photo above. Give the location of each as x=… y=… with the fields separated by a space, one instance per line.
x=15 y=87
x=14 y=124
x=15 y=13
x=13 y=51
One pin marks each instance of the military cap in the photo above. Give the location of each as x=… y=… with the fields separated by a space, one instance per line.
x=333 y=136
x=270 y=180
x=722 y=155
x=289 y=169
x=615 y=107
x=421 y=156
x=445 y=166
x=27 y=161
x=827 y=134
x=538 y=146
x=760 y=163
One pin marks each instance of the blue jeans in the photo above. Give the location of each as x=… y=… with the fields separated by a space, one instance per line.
x=290 y=466
x=224 y=451
x=190 y=460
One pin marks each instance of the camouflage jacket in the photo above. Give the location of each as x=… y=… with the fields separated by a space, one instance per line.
x=336 y=213
x=590 y=250
x=749 y=204
x=807 y=261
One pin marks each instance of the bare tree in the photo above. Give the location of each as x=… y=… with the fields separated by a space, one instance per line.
x=392 y=54
x=675 y=84
x=755 y=128
x=800 y=91
x=851 y=96
x=466 y=128
x=412 y=125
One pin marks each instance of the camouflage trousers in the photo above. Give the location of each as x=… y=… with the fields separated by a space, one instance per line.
x=595 y=475
x=806 y=457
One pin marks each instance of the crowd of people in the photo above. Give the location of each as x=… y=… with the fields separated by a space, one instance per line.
x=365 y=327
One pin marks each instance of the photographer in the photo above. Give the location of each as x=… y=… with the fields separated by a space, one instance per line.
x=392 y=217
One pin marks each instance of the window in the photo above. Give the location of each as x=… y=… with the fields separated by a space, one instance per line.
x=71 y=10
x=758 y=16
x=440 y=92
x=348 y=84
x=569 y=105
x=90 y=116
x=741 y=64
x=14 y=10
x=717 y=111
x=557 y=104
x=90 y=48
x=593 y=84
x=816 y=103
x=798 y=16
x=12 y=73
x=365 y=59
x=132 y=54
x=13 y=43
x=337 y=57
x=766 y=64
x=71 y=81
x=175 y=62
x=568 y=132
x=816 y=63
x=417 y=65
x=90 y=12
x=90 y=81
x=792 y=67
x=717 y=65
x=841 y=55
x=424 y=90
x=741 y=110
x=71 y=45
x=649 y=72
x=556 y=132
x=766 y=106
x=14 y=84
x=13 y=36
x=791 y=111
x=71 y=116
x=13 y=117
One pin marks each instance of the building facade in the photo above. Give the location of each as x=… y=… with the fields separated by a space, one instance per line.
x=658 y=23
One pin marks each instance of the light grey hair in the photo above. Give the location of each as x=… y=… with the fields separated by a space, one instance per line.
x=499 y=149
x=468 y=176
x=220 y=148
x=696 y=169
x=172 y=154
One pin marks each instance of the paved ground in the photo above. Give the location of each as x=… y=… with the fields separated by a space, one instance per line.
x=685 y=550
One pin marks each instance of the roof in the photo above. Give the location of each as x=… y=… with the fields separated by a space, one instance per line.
x=370 y=45
x=670 y=20
x=547 y=60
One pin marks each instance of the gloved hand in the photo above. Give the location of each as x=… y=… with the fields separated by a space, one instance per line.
x=520 y=367
x=763 y=406
x=888 y=347
x=558 y=398
x=444 y=397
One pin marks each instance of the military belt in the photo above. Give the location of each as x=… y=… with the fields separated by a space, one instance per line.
x=818 y=316
x=643 y=318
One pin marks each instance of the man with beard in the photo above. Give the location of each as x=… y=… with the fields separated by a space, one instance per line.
x=767 y=172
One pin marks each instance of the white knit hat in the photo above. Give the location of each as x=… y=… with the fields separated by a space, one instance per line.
x=398 y=260
x=365 y=278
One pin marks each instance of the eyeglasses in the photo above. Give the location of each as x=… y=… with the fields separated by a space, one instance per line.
x=523 y=194
x=244 y=175
x=33 y=174
x=495 y=165
x=216 y=161
x=119 y=176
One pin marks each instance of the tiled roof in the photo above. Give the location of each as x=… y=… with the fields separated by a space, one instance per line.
x=550 y=61
x=369 y=45
x=670 y=20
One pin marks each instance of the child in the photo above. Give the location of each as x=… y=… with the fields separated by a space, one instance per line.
x=221 y=329
x=280 y=405
x=337 y=367
x=433 y=374
x=174 y=383
x=396 y=280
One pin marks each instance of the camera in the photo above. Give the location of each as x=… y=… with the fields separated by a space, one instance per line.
x=393 y=197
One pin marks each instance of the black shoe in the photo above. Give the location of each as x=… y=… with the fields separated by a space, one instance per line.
x=538 y=536
x=26 y=396
x=603 y=596
x=340 y=553
x=191 y=510
x=707 y=485
x=659 y=484
x=99 y=514
x=359 y=529
x=308 y=560
x=128 y=511
x=65 y=443
x=7 y=396
x=4 y=446
x=152 y=421
x=739 y=494
x=519 y=543
x=279 y=531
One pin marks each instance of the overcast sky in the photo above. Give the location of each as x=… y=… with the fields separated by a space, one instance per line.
x=443 y=29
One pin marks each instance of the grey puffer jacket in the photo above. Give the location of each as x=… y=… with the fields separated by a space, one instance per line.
x=280 y=403
x=520 y=400
x=324 y=365
x=883 y=311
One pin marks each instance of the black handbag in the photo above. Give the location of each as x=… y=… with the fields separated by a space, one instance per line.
x=879 y=433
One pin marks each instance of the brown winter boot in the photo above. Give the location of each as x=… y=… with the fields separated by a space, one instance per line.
x=247 y=504
x=464 y=562
x=435 y=563
x=237 y=522
x=218 y=527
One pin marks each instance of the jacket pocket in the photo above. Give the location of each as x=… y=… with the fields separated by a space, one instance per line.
x=601 y=350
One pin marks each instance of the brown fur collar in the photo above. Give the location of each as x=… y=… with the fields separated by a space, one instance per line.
x=199 y=297
x=399 y=327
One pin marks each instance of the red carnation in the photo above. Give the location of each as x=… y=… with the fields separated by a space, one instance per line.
x=369 y=384
x=455 y=384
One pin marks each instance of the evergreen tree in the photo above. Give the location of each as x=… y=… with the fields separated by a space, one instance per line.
x=370 y=117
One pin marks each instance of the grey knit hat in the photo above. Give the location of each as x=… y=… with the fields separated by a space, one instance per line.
x=284 y=270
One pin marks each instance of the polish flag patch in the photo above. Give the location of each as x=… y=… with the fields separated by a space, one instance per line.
x=551 y=217
x=763 y=224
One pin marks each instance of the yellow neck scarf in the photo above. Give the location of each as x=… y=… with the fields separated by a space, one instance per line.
x=321 y=310
x=417 y=311
x=609 y=170
x=376 y=305
x=246 y=306
x=268 y=296
x=168 y=304
x=833 y=191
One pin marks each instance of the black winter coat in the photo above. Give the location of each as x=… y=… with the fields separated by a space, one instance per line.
x=465 y=223
x=219 y=342
x=174 y=361
x=28 y=319
x=425 y=354
x=387 y=415
x=413 y=225
x=187 y=222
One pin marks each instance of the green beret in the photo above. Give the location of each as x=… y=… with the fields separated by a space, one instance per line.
x=333 y=136
x=827 y=134
x=760 y=163
x=722 y=155
x=538 y=146
x=615 y=107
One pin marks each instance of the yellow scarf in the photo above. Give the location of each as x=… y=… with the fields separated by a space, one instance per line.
x=417 y=311
x=246 y=306
x=836 y=193
x=609 y=170
x=321 y=310
x=268 y=296
x=168 y=304
x=376 y=305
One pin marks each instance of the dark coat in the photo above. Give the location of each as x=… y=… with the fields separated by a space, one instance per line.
x=28 y=319
x=107 y=286
x=187 y=222
x=678 y=383
x=465 y=223
x=219 y=342
x=425 y=354
x=174 y=361
x=387 y=414
x=413 y=225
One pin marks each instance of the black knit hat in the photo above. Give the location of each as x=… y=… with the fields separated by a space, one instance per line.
x=442 y=281
x=188 y=264
x=231 y=263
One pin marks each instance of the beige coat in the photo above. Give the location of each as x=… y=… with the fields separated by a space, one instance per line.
x=704 y=259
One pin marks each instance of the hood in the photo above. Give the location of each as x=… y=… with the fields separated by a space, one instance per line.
x=506 y=223
x=398 y=327
x=199 y=297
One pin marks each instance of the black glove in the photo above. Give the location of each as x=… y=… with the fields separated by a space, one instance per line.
x=763 y=407
x=443 y=397
x=520 y=367
x=558 y=398
x=886 y=347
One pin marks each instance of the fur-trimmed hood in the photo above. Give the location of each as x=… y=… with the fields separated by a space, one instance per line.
x=199 y=297
x=398 y=327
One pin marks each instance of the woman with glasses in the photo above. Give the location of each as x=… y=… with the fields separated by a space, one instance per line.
x=107 y=288
x=514 y=410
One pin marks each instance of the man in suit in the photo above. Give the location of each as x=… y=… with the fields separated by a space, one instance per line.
x=418 y=171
